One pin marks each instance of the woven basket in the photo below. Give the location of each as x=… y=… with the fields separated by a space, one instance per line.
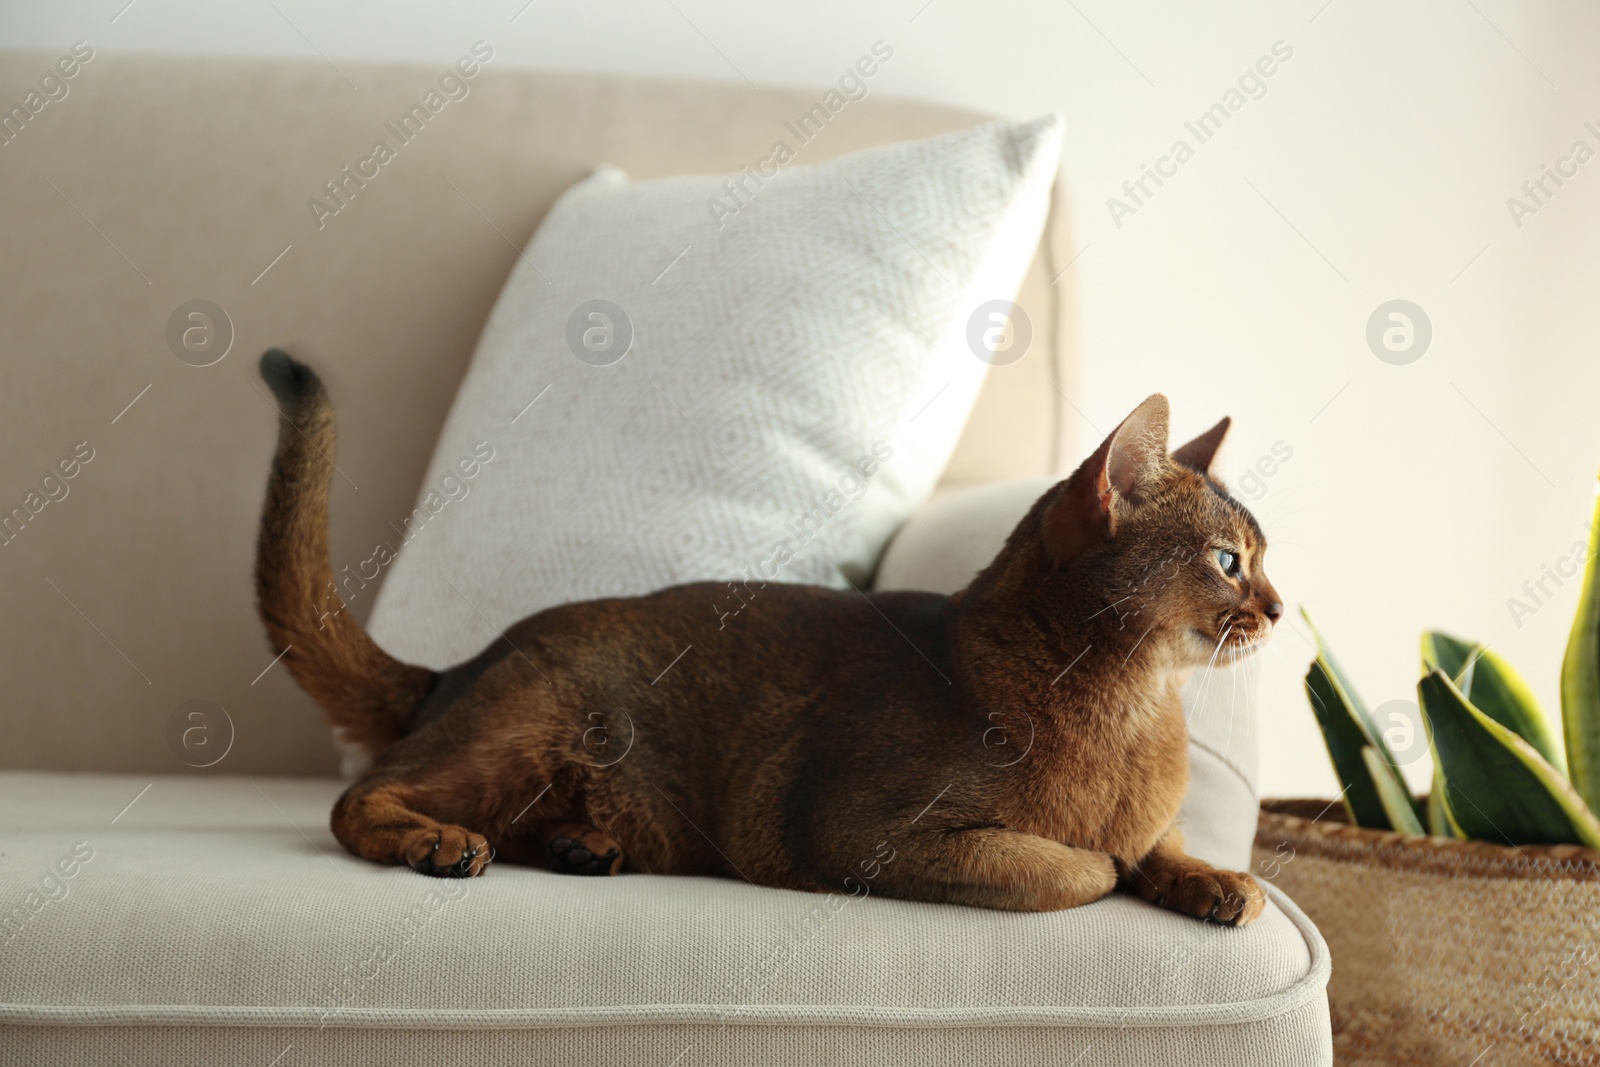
x=1460 y=953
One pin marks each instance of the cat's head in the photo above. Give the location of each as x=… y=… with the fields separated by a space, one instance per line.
x=1164 y=545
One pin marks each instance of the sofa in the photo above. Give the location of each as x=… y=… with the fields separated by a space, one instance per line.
x=161 y=907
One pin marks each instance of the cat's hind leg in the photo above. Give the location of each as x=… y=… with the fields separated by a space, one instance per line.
x=380 y=820
x=994 y=867
x=577 y=848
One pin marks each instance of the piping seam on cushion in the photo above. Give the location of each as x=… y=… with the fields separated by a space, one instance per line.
x=1305 y=989
x=1228 y=763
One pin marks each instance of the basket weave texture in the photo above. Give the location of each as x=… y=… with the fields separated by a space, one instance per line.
x=1444 y=952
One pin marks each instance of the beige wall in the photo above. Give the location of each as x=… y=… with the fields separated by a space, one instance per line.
x=1376 y=166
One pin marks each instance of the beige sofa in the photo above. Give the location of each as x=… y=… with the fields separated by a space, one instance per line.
x=155 y=912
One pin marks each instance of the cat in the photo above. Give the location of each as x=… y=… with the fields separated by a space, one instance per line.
x=1019 y=745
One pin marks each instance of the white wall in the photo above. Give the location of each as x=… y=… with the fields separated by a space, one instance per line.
x=1376 y=166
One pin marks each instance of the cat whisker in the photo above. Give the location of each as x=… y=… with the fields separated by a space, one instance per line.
x=1226 y=630
x=1233 y=707
x=1252 y=687
x=1252 y=681
x=1205 y=683
x=1272 y=648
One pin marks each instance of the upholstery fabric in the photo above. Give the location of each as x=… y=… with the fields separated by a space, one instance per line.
x=677 y=390
x=163 y=179
x=218 y=921
x=956 y=536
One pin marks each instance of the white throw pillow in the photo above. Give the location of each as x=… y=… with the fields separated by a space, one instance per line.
x=717 y=377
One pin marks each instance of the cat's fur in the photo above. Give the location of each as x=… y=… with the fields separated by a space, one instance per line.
x=1018 y=745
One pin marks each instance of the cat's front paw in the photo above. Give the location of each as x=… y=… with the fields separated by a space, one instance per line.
x=447 y=852
x=1228 y=897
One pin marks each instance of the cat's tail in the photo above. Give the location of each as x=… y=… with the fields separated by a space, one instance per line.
x=367 y=693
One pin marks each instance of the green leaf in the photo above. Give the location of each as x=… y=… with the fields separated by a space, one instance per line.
x=1497 y=786
x=1440 y=823
x=1358 y=707
x=1345 y=737
x=1347 y=731
x=1441 y=652
x=1451 y=826
x=1580 y=680
x=1496 y=689
x=1436 y=647
x=1397 y=802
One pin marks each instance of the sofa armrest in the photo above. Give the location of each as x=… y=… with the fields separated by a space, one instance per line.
x=945 y=544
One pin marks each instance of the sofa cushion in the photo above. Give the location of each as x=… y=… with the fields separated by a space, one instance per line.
x=717 y=377
x=955 y=536
x=216 y=920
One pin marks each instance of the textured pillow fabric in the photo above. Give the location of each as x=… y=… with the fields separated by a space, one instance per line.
x=948 y=542
x=749 y=376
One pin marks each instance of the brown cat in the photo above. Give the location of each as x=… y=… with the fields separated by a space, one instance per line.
x=1018 y=745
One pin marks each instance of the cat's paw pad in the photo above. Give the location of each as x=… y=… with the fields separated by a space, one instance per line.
x=585 y=851
x=1228 y=897
x=448 y=852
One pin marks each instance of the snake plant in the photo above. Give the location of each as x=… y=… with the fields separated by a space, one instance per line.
x=1500 y=772
x=1580 y=681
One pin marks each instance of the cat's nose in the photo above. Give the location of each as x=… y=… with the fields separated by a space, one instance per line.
x=1273 y=611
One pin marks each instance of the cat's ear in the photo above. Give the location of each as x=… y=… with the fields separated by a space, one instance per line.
x=1132 y=457
x=1138 y=452
x=1198 y=454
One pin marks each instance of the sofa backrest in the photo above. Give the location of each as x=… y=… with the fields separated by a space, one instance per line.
x=140 y=184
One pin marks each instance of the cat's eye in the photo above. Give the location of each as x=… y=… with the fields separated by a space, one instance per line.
x=1228 y=561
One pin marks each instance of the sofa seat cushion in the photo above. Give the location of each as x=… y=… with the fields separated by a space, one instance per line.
x=215 y=919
